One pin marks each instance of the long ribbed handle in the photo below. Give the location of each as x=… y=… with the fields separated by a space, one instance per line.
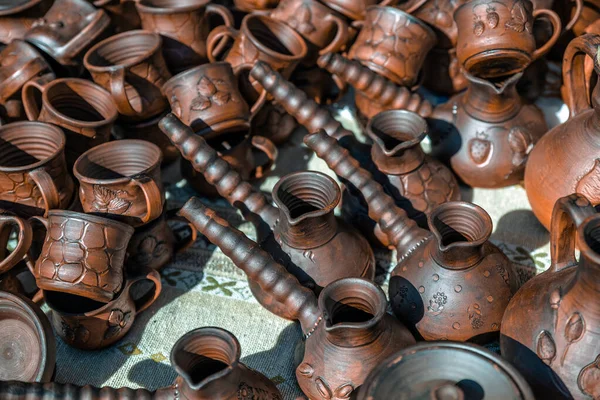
x=260 y=267
x=402 y=232
x=12 y=390
x=216 y=170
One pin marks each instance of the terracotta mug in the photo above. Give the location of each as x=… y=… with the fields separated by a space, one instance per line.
x=207 y=98
x=393 y=44
x=68 y=29
x=354 y=9
x=496 y=38
x=184 y=26
x=17 y=17
x=82 y=254
x=122 y=179
x=8 y=223
x=259 y=38
x=250 y=6
x=131 y=67
x=33 y=172
x=89 y=325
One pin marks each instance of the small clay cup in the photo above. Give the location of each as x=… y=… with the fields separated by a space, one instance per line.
x=89 y=325
x=401 y=51
x=354 y=9
x=82 y=254
x=207 y=98
x=8 y=223
x=122 y=180
x=259 y=38
x=131 y=67
x=496 y=38
x=67 y=30
x=184 y=27
x=33 y=172
x=85 y=111
x=17 y=17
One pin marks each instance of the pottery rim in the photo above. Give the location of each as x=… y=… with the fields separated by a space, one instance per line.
x=172 y=7
x=399 y=119
x=270 y=23
x=92 y=218
x=20 y=6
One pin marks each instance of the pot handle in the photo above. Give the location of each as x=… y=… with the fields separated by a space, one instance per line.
x=182 y=245
x=24 y=240
x=116 y=82
x=153 y=195
x=556 y=28
x=47 y=188
x=578 y=101
x=341 y=36
x=568 y=213
x=150 y=297
x=32 y=110
x=29 y=259
x=262 y=98
x=414 y=7
x=266 y=146
x=576 y=15
x=220 y=32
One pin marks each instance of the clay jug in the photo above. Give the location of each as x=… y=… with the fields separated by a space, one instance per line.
x=207 y=361
x=567 y=158
x=550 y=330
x=450 y=283
x=486 y=133
x=18 y=16
x=302 y=232
x=347 y=331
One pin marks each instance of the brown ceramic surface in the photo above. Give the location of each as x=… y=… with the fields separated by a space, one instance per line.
x=82 y=254
x=184 y=27
x=495 y=38
x=17 y=17
x=438 y=14
x=249 y=6
x=356 y=10
x=8 y=223
x=393 y=44
x=442 y=72
x=33 y=172
x=68 y=29
x=123 y=14
x=91 y=325
x=274 y=123
x=589 y=14
x=122 y=179
x=131 y=67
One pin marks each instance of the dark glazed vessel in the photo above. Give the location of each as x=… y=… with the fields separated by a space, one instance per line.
x=550 y=330
x=18 y=16
x=567 y=159
x=347 y=331
x=450 y=283
x=486 y=133
x=206 y=359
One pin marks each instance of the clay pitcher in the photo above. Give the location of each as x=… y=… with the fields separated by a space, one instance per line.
x=347 y=331
x=18 y=16
x=567 y=158
x=550 y=330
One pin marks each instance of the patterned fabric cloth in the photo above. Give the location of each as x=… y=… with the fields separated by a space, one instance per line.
x=201 y=287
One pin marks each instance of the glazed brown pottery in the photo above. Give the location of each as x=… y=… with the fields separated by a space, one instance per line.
x=323 y=29
x=450 y=283
x=131 y=67
x=207 y=99
x=27 y=346
x=83 y=255
x=184 y=27
x=356 y=10
x=17 y=16
x=393 y=44
x=445 y=371
x=567 y=158
x=123 y=14
x=347 y=331
x=9 y=222
x=487 y=132
x=495 y=38
x=250 y=6
x=206 y=359
x=259 y=38
x=122 y=178
x=33 y=172
x=550 y=329
x=90 y=325
x=68 y=29
x=84 y=111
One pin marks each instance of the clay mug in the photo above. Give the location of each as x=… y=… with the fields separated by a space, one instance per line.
x=122 y=180
x=67 y=30
x=90 y=325
x=17 y=16
x=33 y=172
x=495 y=38
x=323 y=29
x=131 y=67
x=400 y=53
x=250 y=6
x=123 y=14
x=207 y=98
x=184 y=27
x=356 y=10
x=8 y=223
x=82 y=254
x=259 y=38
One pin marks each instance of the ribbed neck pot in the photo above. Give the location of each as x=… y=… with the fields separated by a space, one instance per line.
x=492 y=101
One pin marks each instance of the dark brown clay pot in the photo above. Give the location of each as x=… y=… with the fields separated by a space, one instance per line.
x=33 y=171
x=487 y=133
x=184 y=27
x=445 y=371
x=550 y=328
x=27 y=346
x=123 y=14
x=273 y=123
x=450 y=283
x=206 y=359
x=567 y=158
x=347 y=331
x=356 y=10
x=18 y=16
